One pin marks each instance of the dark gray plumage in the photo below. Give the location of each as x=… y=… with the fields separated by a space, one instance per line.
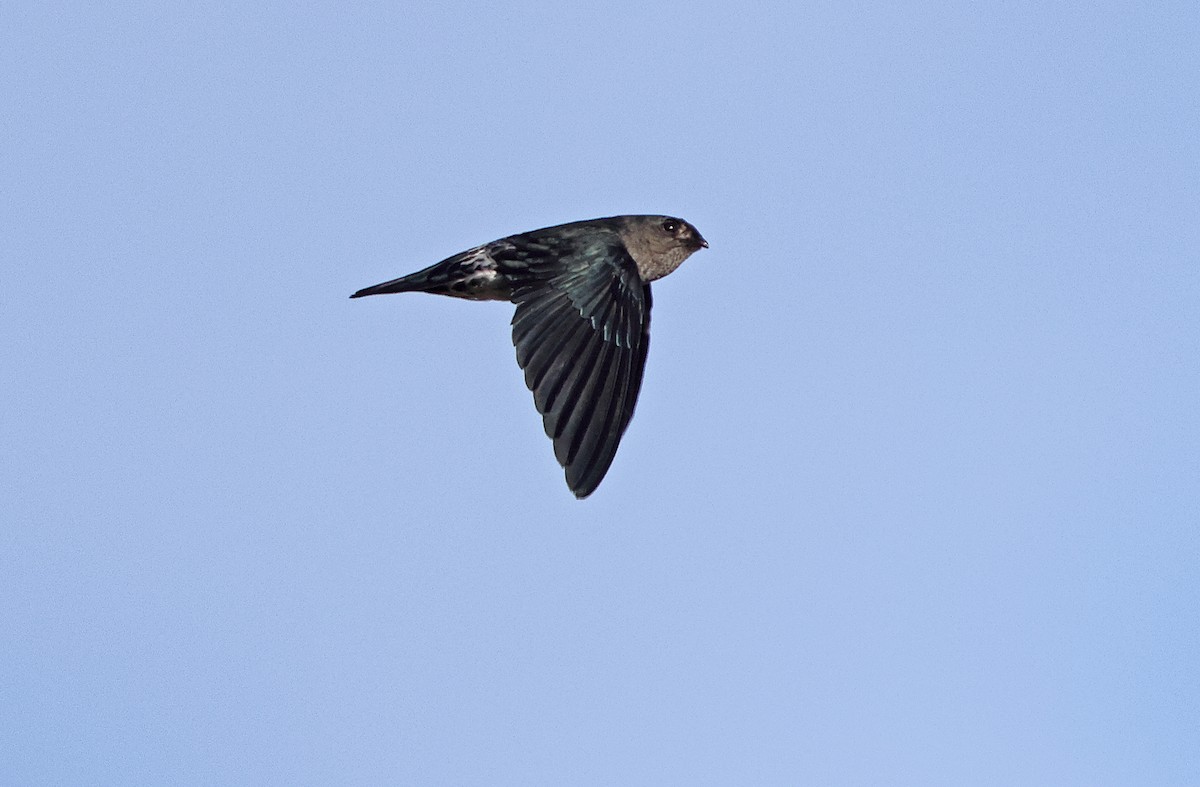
x=582 y=326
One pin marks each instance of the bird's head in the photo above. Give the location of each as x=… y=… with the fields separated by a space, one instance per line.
x=660 y=244
x=682 y=233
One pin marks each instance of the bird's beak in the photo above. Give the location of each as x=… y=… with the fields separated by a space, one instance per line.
x=699 y=242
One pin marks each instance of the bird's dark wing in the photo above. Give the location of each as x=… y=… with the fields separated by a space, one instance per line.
x=581 y=336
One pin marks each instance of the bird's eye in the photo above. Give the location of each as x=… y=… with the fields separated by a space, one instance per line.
x=670 y=225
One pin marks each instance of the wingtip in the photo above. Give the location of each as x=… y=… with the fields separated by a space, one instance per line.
x=583 y=487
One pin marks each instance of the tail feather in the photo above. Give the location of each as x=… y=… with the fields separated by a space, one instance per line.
x=415 y=282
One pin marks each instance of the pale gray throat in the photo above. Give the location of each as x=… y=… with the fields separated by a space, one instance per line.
x=653 y=264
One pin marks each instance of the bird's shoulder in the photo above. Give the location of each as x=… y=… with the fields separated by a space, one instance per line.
x=595 y=244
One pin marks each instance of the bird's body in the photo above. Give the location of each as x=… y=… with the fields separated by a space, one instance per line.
x=581 y=328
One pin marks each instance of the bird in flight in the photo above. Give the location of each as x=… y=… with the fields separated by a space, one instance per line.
x=582 y=325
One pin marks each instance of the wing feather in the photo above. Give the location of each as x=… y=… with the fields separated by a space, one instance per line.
x=581 y=337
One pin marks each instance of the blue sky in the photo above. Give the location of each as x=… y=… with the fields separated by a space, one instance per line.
x=912 y=491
